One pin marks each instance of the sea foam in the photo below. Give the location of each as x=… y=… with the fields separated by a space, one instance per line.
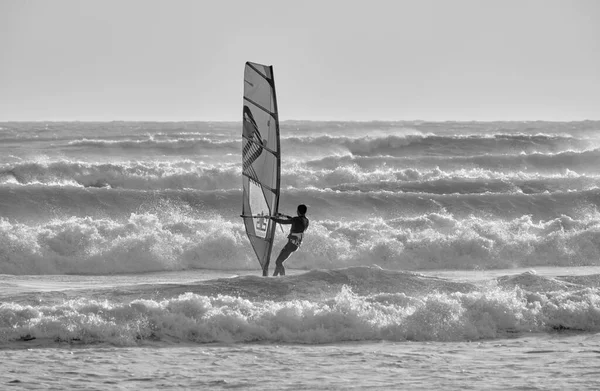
x=168 y=238
x=479 y=314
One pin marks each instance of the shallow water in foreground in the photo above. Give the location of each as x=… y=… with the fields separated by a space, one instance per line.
x=549 y=362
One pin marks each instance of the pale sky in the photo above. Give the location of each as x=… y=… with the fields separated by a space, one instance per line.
x=334 y=59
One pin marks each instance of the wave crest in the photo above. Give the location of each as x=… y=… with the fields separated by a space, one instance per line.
x=481 y=313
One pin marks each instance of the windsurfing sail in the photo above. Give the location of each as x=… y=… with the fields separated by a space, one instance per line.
x=261 y=165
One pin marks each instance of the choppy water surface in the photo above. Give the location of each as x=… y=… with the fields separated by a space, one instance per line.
x=440 y=255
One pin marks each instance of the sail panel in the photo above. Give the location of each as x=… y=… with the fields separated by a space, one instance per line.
x=260 y=159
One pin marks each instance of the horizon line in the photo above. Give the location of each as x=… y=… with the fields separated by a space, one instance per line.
x=298 y=120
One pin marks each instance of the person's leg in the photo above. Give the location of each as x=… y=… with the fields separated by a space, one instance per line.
x=285 y=253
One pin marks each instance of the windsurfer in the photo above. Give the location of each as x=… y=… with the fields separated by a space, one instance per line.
x=299 y=225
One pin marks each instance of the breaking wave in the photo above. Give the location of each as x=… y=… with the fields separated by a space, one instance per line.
x=179 y=239
x=361 y=304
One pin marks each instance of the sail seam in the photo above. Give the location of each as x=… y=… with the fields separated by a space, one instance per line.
x=260 y=183
x=260 y=73
x=261 y=107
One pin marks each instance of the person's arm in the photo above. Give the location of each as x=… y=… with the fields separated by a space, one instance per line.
x=287 y=220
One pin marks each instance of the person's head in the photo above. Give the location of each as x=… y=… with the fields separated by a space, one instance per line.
x=302 y=209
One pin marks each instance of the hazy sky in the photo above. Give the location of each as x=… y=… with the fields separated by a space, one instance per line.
x=333 y=59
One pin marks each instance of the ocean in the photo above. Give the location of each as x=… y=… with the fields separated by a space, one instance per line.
x=446 y=255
